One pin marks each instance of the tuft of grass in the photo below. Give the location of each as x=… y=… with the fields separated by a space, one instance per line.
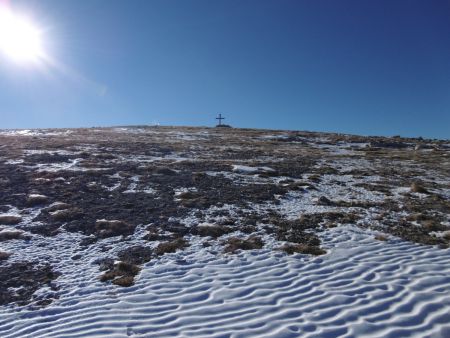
x=127 y=268
x=9 y=235
x=233 y=244
x=106 y=228
x=137 y=254
x=446 y=235
x=10 y=219
x=34 y=200
x=65 y=215
x=124 y=281
x=56 y=207
x=381 y=237
x=303 y=249
x=4 y=255
x=172 y=246
x=213 y=231
x=316 y=178
x=417 y=187
x=433 y=225
x=121 y=274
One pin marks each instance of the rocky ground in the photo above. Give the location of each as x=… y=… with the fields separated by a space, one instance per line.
x=136 y=194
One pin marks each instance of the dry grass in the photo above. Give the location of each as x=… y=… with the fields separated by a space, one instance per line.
x=433 y=225
x=417 y=187
x=65 y=215
x=446 y=235
x=233 y=244
x=213 y=231
x=172 y=246
x=121 y=274
x=34 y=200
x=10 y=219
x=4 y=255
x=303 y=249
x=9 y=235
x=56 y=207
x=124 y=281
x=381 y=237
x=106 y=228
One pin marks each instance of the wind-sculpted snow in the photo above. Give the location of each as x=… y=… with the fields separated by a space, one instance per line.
x=363 y=287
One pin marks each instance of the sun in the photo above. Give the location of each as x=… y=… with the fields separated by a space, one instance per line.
x=20 y=40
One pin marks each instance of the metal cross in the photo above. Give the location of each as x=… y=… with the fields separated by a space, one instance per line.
x=220 y=118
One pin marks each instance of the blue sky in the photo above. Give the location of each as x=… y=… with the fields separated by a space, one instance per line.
x=351 y=66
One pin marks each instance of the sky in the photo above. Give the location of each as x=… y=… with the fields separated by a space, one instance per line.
x=349 y=66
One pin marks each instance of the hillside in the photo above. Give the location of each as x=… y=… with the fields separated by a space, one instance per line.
x=222 y=232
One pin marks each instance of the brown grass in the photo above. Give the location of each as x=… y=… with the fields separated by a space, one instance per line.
x=433 y=225
x=381 y=237
x=124 y=281
x=8 y=235
x=36 y=200
x=172 y=246
x=417 y=187
x=121 y=274
x=59 y=206
x=233 y=244
x=113 y=228
x=10 y=220
x=214 y=231
x=303 y=249
x=67 y=215
x=446 y=235
x=4 y=255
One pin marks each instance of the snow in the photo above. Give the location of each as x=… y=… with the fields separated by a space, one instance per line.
x=250 y=170
x=362 y=287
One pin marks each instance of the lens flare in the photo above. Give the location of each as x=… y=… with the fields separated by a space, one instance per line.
x=20 y=40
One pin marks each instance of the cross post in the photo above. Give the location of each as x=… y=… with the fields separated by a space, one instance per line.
x=220 y=118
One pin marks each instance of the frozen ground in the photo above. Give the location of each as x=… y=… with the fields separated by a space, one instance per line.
x=197 y=232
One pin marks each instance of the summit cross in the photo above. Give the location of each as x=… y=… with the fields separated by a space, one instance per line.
x=220 y=118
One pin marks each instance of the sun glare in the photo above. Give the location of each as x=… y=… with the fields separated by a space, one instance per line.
x=20 y=40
